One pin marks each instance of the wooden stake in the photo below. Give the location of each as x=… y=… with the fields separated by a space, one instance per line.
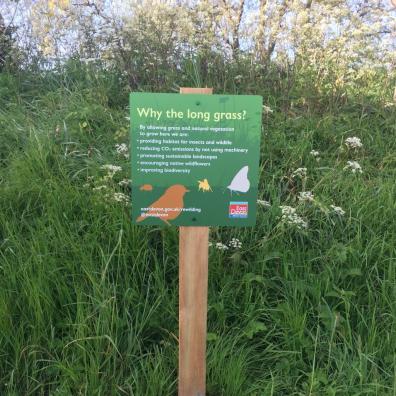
x=193 y=296
x=193 y=291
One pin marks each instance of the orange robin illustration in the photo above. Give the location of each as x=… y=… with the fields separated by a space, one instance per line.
x=168 y=206
x=146 y=187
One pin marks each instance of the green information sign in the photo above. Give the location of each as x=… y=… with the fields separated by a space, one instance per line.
x=195 y=159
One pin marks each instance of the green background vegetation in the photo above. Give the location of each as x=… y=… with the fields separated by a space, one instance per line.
x=89 y=303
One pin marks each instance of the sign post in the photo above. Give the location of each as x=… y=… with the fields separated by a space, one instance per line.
x=193 y=295
x=195 y=164
x=193 y=289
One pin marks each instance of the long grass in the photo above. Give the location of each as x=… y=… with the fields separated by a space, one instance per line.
x=89 y=303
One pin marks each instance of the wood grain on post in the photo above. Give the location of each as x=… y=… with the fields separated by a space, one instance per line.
x=193 y=296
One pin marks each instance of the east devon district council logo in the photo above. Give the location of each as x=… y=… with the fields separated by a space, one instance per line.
x=238 y=210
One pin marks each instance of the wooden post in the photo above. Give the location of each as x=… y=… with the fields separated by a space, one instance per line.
x=193 y=296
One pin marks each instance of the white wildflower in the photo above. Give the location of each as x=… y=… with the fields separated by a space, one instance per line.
x=238 y=77
x=210 y=244
x=389 y=104
x=305 y=196
x=267 y=109
x=99 y=188
x=353 y=142
x=314 y=153
x=120 y=197
x=354 y=167
x=124 y=182
x=264 y=204
x=122 y=149
x=289 y=216
x=337 y=210
x=221 y=246
x=107 y=178
x=235 y=243
x=111 y=168
x=287 y=210
x=300 y=172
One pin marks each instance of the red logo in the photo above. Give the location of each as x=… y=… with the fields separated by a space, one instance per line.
x=238 y=210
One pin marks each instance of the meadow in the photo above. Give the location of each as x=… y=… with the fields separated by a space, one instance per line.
x=301 y=304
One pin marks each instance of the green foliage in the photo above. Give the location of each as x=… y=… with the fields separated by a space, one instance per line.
x=88 y=303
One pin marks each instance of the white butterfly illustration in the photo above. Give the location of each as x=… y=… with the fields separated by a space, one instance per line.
x=240 y=182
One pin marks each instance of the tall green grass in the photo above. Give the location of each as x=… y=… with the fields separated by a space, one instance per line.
x=89 y=303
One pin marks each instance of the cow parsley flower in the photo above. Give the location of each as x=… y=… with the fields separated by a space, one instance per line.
x=264 y=204
x=120 y=197
x=111 y=171
x=221 y=246
x=337 y=210
x=300 y=172
x=122 y=149
x=235 y=243
x=267 y=109
x=287 y=210
x=353 y=142
x=354 y=167
x=124 y=182
x=305 y=196
x=289 y=216
x=314 y=153
x=99 y=188
x=111 y=168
